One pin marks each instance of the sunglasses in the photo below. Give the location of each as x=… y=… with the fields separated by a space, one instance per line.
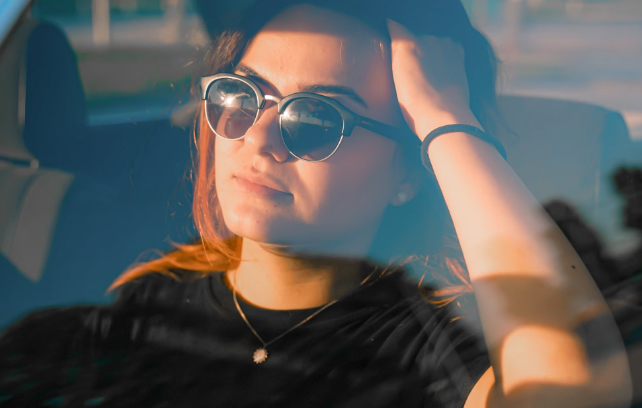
x=312 y=126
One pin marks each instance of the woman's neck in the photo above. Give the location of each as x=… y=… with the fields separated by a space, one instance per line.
x=271 y=278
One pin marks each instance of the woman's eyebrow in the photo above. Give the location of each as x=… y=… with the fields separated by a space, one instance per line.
x=322 y=89
x=335 y=90
x=244 y=69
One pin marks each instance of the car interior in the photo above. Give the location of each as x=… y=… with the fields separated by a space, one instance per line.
x=80 y=203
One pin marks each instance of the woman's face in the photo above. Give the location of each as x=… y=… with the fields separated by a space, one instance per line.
x=337 y=203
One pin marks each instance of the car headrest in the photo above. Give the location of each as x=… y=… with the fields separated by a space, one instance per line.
x=55 y=112
x=569 y=150
x=42 y=117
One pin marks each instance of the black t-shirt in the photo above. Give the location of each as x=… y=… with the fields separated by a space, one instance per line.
x=168 y=343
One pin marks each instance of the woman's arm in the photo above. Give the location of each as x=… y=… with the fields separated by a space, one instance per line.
x=533 y=291
x=551 y=339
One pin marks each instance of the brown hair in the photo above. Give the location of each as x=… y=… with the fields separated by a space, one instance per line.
x=420 y=234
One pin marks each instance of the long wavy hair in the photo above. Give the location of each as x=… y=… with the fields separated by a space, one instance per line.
x=419 y=235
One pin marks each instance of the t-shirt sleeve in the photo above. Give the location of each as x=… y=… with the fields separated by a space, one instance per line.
x=454 y=357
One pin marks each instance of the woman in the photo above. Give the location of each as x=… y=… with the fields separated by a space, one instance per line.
x=297 y=196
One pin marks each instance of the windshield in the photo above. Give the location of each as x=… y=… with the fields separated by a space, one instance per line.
x=114 y=164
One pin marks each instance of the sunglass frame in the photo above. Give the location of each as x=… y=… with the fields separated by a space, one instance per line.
x=350 y=119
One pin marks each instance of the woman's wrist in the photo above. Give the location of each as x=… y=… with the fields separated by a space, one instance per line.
x=431 y=119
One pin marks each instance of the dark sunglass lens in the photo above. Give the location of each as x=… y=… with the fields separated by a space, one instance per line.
x=231 y=107
x=311 y=128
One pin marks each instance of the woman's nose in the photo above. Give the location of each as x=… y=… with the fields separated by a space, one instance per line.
x=264 y=137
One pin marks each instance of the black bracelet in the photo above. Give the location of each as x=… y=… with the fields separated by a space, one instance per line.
x=471 y=130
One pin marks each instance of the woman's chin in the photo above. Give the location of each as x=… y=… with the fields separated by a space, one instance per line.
x=273 y=237
x=278 y=233
x=257 y=228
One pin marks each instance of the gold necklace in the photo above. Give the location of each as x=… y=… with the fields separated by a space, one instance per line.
x=261 y=354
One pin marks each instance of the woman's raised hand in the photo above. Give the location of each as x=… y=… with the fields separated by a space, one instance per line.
x=430 y=79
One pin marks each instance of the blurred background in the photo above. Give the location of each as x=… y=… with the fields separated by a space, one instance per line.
x=98 y=177
x=140 y=50
x=134 y=56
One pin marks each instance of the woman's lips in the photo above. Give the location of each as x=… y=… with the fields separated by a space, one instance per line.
x=259 y=190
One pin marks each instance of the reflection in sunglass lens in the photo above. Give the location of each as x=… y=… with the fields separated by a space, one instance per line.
x=311 y=128
x=231 y=107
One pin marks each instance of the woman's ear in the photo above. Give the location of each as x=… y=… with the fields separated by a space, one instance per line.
x=409 y=185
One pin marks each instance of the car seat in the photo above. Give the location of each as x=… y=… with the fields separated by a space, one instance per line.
x=77 y=204
x=567 y=150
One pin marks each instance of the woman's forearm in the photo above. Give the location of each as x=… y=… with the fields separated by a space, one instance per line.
x=533 y=291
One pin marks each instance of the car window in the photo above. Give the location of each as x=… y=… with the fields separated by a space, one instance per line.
x=98 y=137
x=135 y=58
x=577 y=50
x=96 y=148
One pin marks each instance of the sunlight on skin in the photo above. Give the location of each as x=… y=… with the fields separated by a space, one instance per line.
x=525 y=275
x=323 y=205
x=442 y=94
x=334 y=207
x=555 y=349
x=500 y=254
x=545 y=390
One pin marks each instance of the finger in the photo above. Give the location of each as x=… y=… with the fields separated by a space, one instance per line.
x=399 y=32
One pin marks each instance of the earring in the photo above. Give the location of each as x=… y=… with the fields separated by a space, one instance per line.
x=402 y=197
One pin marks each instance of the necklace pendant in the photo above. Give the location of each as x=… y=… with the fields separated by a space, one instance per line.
x=260 y=355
